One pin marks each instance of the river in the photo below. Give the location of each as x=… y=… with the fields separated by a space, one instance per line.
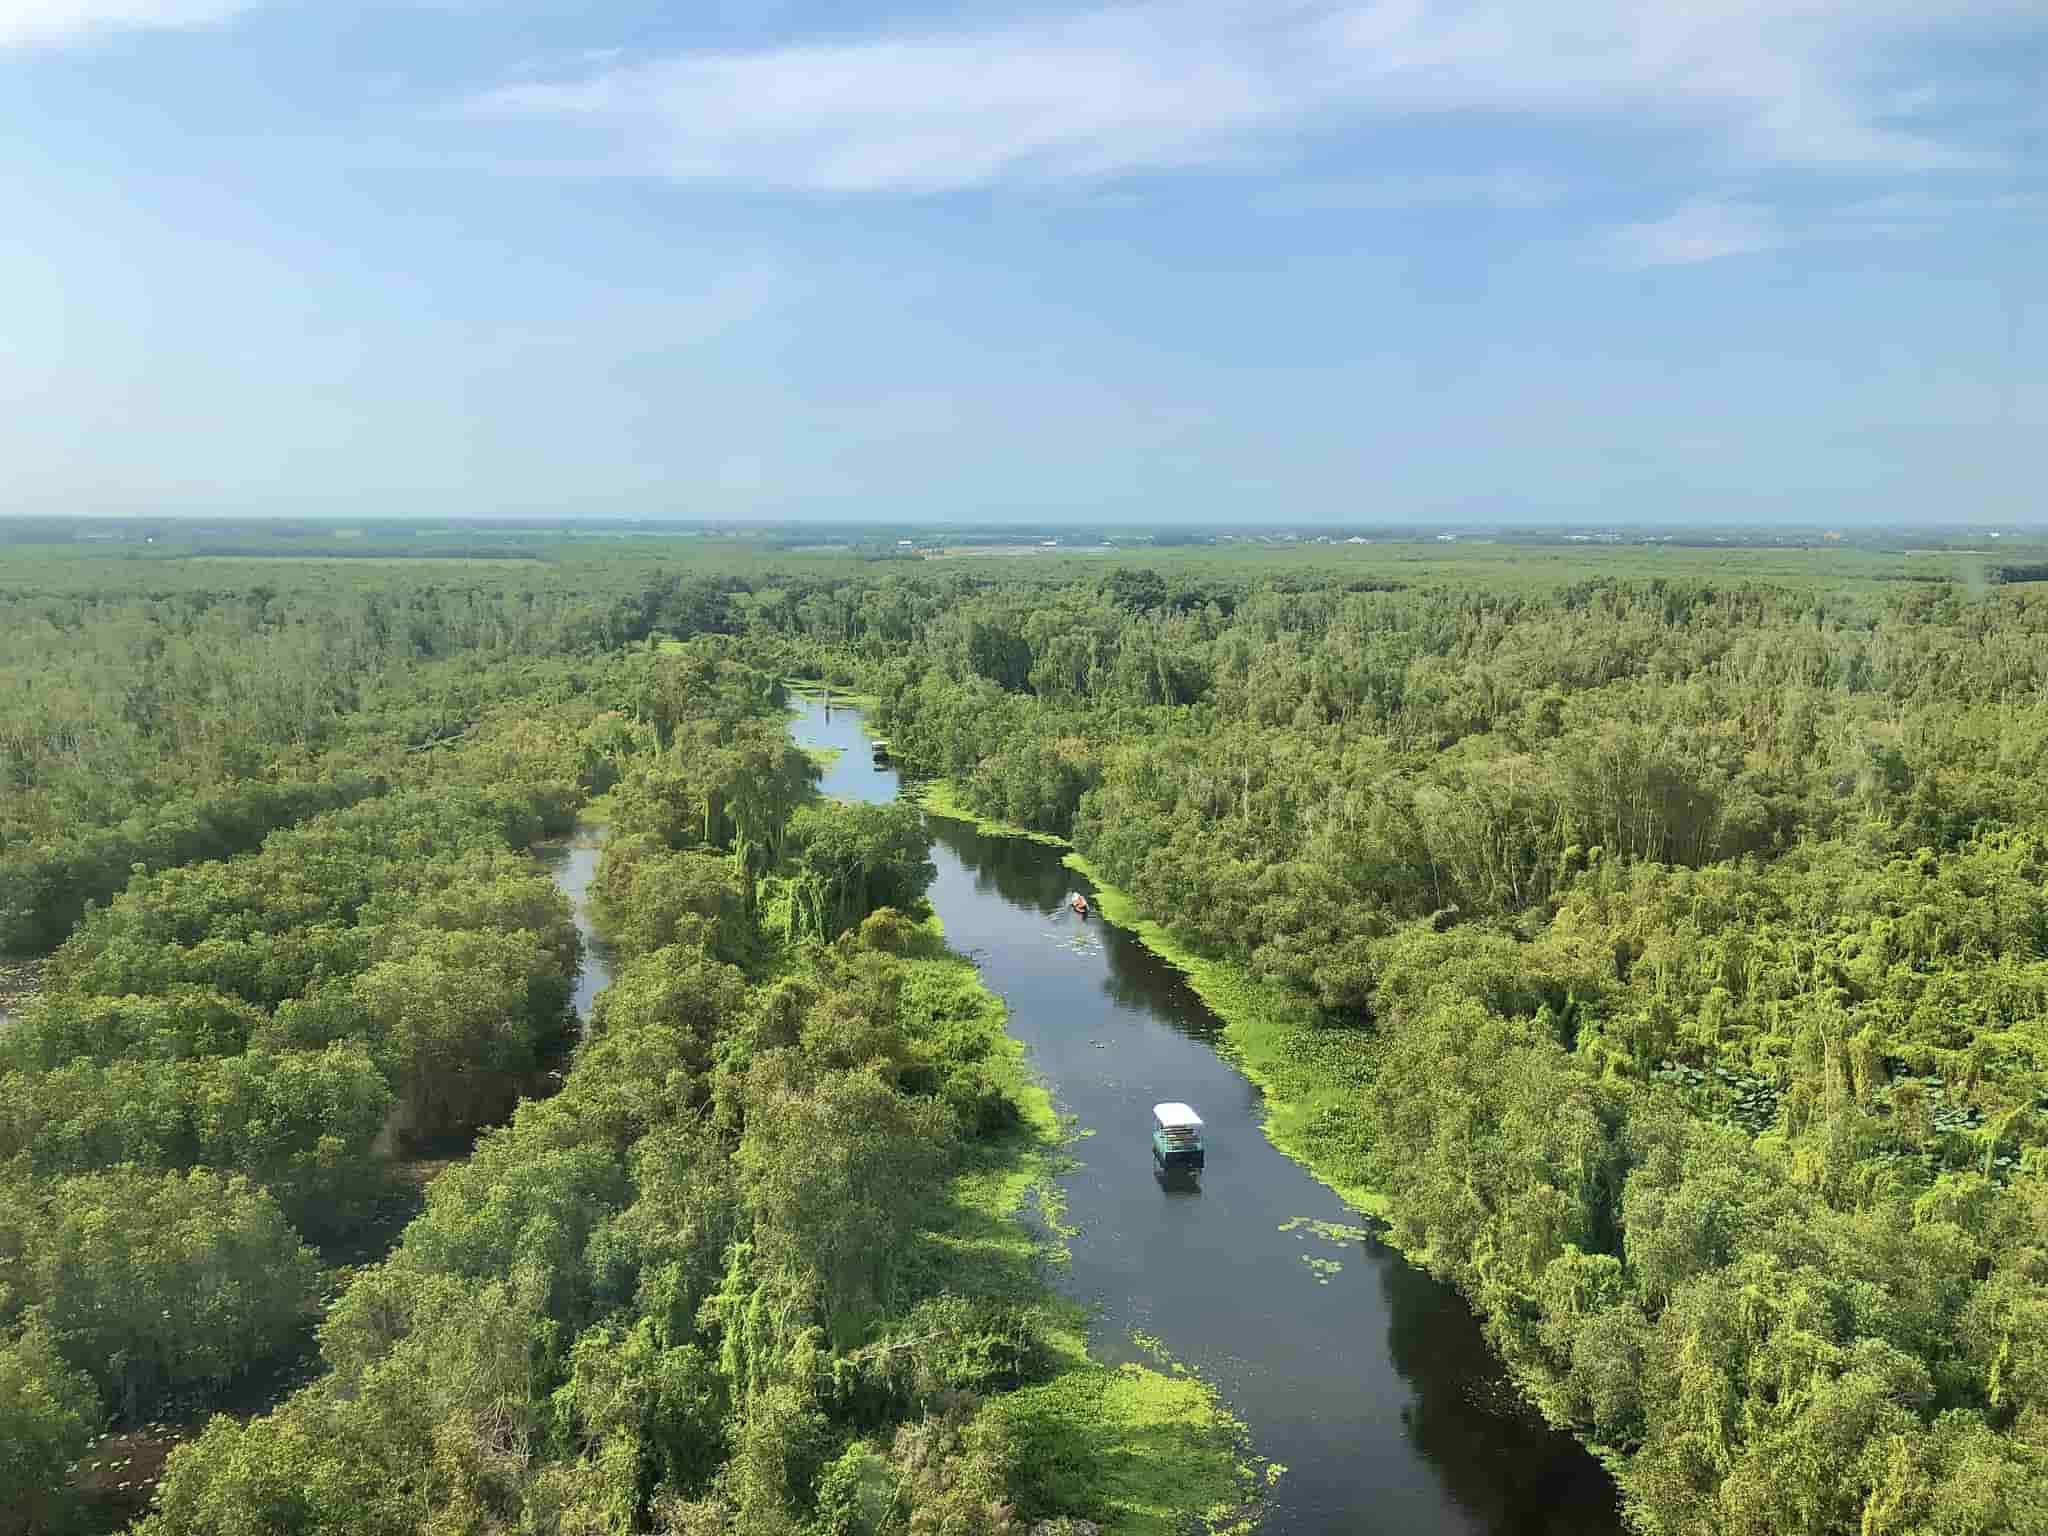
x=1369 y=1381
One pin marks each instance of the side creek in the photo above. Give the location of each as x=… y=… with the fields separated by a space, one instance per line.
x=572 y=865
x=1369 y=1381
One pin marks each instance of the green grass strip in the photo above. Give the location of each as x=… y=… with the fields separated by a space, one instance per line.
x=940 y=798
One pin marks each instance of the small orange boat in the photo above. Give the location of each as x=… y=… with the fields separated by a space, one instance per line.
x=1079 y=903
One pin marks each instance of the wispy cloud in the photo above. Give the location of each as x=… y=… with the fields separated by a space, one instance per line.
x=51 y=23
x=1707 y=229
x=1162 y=84
x=1698 y=231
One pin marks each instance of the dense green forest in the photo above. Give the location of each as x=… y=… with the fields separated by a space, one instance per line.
x=1657 y=939
x=745 y=1258
x=1666 y=956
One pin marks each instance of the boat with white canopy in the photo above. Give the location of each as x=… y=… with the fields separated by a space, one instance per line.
x=1177 y=1141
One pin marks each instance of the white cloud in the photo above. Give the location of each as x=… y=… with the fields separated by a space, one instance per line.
x=1160 y=84
x=49 y=23
x=1698 y=231
x=1707 y=229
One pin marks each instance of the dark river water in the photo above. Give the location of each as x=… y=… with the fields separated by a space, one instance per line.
x=1365 y=1378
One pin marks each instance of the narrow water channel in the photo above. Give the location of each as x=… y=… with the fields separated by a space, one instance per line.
x=572 y=865
x=1366 y=1379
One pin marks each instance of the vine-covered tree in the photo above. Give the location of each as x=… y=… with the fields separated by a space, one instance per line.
x=851 y=860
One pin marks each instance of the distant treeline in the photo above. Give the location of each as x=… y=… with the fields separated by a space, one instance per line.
x=282 y=549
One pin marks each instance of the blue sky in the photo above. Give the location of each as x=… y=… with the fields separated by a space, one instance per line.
x=1289 y=261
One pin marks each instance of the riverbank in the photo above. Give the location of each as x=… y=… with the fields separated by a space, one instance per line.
x=1369 y=1380
x=942 y=798
x=1144 y=1451
x=1310 y=1076
x=1144 y=1447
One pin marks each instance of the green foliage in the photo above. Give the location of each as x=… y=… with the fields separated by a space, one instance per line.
x=711 y=1285
x=833 y=1166
x=150 y=1282
x=44 y=890
x=887 y=930
x=450 y=1016
x=48 y=1413
x=851 y=860
x=1132 y=1448
x=1659 y=937
x=676 y=1293
x=721 y=782
x=300 y=1122
x=180 y=1023
x=675 y=1002
x=646 y=898
x=1664 y=958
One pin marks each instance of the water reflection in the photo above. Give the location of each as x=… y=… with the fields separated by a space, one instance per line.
x=1464 y=1415
x=1014 y=868
x=853 y=774
x=1139 y=980
x=1034 y=877
x=1367 y=1379
x=1176 y=1181
x=573 y=865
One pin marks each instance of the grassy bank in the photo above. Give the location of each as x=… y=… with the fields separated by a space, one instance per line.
x=1145 y=1452
x=940 y=798
x=1310 y=1075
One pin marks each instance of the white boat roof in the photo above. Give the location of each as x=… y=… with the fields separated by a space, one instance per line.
x=1174 y=1116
